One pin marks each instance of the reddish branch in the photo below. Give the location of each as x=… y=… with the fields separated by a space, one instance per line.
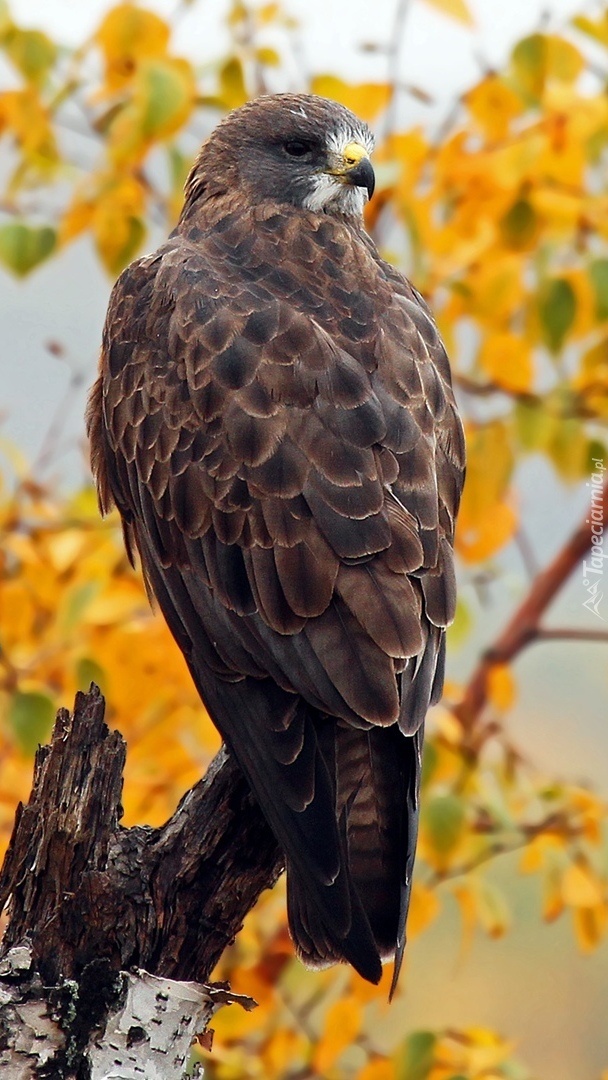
x=524 y=626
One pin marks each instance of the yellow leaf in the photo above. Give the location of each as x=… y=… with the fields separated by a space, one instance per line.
x=581 y=887
x=411 y=151
x=456 y=9
x=480 y=541
x=268 y=13
x=496 y=288
x=118 y=603
x=233 y=91
x=380 y=1069
x=76 y=218
x=65 y=547
x=533 y=856
x=507 y=360
x=24 y=116
x=501 y=687
x=560 y=210
x=486 y=1050
x=282 y=1052
x=590 y=926
x=553 y=900
x=364 y=99
x=492 y=909
x=467 y=902
x=267 y=56
x=490 y=464
x=117 y=222
x=595 y=28
x=127 y=35
x=365 y=991
x=342 y=1025
x=424 y=908
x=493 y=105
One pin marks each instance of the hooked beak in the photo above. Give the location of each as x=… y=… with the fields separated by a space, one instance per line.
x=356 y=168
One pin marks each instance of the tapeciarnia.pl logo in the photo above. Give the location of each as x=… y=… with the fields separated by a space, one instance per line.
x=593 y=569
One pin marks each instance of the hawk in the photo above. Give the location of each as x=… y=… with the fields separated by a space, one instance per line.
x=275 y=422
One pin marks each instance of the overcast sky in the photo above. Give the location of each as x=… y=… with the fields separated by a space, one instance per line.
x=66 y=298
x=438 y=54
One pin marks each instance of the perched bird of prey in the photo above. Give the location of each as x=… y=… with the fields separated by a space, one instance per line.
x=274 y=420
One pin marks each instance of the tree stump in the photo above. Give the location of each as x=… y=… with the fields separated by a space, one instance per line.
x=108 y=927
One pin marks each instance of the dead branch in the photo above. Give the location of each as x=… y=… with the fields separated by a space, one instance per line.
x=89 y=899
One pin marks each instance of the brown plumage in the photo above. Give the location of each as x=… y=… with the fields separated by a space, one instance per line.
x=274 y=420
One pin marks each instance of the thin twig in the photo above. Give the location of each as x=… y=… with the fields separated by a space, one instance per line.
x=526 y=551
x=528 y=832
x=393 y=67
x=567 y=633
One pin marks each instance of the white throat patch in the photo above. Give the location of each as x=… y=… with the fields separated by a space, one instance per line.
x=329 y=191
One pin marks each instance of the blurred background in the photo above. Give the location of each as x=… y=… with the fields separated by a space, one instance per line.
x=492 y=169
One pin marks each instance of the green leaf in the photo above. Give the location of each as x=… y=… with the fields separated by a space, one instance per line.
x=166 y=94
x=544 y=56
x=414 y=1059
x=179 y=167
x=598 y=272
x=444 y=818
x=89 y=671
x=232 y=84
x=6 y=23
x=557 y=308
x=22 y=246
x=31 y=718
x=76 y=602
x=528 y=62
x=596 y=451
x=493 y=910
x=31 y=51
x=430 y=759
x=568 y=449
x=534 y=425
x=116 y=257
x=459 y=631
x=519 y=225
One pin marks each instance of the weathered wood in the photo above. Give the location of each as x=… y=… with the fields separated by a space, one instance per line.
x=88 y=898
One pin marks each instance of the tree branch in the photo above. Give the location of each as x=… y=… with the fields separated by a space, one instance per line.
x=81 y=887
x=524 y=626
x=89 y=899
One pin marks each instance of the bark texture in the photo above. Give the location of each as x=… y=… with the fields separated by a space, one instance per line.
x=89 y=900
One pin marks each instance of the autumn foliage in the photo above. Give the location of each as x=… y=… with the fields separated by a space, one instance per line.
x=501 y=219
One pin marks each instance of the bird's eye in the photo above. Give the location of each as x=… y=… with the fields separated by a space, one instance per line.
x=296 y=148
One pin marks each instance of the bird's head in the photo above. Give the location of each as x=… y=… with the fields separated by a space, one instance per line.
x=291 y=148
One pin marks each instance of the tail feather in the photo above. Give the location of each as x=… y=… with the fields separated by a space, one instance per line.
x=377 y=782
x=341 y=800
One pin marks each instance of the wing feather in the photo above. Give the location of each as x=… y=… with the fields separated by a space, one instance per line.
x=275 y=422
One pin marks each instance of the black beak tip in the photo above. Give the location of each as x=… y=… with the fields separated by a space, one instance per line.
x=362 y=175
